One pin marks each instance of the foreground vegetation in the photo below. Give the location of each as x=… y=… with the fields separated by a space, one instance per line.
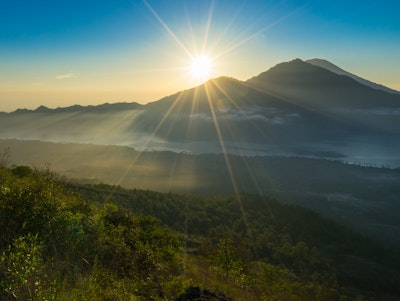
x=63 y=241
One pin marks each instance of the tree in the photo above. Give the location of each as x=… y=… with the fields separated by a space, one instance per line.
x=226 y=259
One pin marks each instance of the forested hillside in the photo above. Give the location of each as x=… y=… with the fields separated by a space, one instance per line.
x=63 y=241
x=364 y=198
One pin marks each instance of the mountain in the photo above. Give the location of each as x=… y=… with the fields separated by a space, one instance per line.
x=235 y=112
x=335 y=69
x=316 y=87
x=372 y=116
x=268 y=136
x=292 y=109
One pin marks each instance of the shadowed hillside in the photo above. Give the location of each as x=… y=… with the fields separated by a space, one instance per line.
x=317 y=87
x=64 y=241
x=364 y=197
x=335 y=69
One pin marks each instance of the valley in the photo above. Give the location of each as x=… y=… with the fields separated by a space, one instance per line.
x=364 y=198
x=305 y=132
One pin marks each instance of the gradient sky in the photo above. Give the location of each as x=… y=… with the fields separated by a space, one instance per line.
x=60 y=53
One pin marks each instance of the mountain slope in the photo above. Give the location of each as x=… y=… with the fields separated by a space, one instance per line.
x=293 y=109
x=98 y=242
x=316 y=87
x=221 y=110
x=365 y=198
x=374 y=115
x=335 y=69
x=230 y=110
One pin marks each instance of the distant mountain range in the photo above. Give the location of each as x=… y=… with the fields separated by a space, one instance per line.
x=267 y=127
x=298 y=108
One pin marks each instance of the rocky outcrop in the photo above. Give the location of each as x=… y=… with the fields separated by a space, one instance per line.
x=196 y=294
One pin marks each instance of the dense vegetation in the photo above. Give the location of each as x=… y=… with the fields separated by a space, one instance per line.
x=62 y=241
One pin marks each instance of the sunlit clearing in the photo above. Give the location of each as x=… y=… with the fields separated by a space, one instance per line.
x=201 y=68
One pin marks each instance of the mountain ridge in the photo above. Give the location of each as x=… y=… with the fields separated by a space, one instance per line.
x=78 y=108
x=294 y=108
x=249 y=83
x=309 y=84
x=331 y=67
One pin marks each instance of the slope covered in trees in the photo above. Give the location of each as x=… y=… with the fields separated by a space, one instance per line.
x=64 y=241
x=364 y=198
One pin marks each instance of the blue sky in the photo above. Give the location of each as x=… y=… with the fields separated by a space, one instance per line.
x=60 y=53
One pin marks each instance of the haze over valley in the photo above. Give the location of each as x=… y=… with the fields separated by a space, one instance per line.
x=293 y=109
x=184 y=150
x=270 y=135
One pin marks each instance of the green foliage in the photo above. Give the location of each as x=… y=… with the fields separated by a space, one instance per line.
x=68 y=242
x=37 y=204
x=46 y=226
x=226 y=260
x=25 y=272
x=99 y=284
x=21 y=171
x=318 y=253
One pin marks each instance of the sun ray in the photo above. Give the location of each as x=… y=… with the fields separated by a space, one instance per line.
x=192 y=35
x=166 y=27
x=225 y=30
x=236 y=106
x=148 y=141
x=192 y=110
x=226 y=159
x=220 y=138
x=248 y=38
x=191 y=54
x=208 y=27
x=198 y=50
x=230 y=49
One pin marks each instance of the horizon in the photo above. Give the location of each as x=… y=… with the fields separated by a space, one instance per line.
x=94 y=53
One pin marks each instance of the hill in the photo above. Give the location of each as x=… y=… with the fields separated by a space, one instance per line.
x=365 y=198
x=97 y=242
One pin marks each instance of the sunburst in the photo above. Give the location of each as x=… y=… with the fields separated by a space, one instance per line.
x=201 y=67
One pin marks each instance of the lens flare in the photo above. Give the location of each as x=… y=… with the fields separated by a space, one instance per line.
x=201 y=67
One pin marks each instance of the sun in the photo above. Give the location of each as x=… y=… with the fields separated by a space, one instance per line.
x=201 y=67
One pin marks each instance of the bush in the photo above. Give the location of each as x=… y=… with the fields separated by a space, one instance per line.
x=24 y=275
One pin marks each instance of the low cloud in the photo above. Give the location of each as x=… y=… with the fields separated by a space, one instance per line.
x=269 y=115
x=65 y=75
x=373 y=111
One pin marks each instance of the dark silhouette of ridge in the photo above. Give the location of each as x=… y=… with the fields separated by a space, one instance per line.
x=106 y=107
x=231 y=92
x=317 y=87
x=294 y=108
x=335 y=69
